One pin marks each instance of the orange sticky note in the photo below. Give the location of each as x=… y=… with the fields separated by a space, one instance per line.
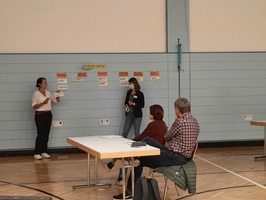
x=138 y=73
x=82 y=74
x=61 y=75
x=123 y=73
x=102 y=73
x=154 y=73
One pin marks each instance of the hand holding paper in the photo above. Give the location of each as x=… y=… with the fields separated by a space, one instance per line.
x=58 y=93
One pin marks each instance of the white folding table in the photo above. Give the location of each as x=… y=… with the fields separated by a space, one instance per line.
x=261 y=123
x=108 y=147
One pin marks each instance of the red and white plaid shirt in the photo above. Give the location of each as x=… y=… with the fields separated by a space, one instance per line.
x=182 y=136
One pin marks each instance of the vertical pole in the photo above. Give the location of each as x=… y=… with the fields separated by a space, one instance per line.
x=179 y=65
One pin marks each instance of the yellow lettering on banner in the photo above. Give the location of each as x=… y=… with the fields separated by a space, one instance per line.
x=94 y=66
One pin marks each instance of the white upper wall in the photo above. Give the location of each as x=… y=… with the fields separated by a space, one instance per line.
x=83 y=26
x=227 y=25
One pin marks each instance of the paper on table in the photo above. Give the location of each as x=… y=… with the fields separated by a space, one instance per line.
x=111 y=136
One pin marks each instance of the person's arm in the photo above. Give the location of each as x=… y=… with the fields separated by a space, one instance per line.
x=127 y=98
x=146 y=133
x=174 y=130
x=35 y=104
x=58 y=98
x=53 y=98
x=139 y=102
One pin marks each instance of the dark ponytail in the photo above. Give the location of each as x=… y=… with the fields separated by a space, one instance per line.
x=39 y=81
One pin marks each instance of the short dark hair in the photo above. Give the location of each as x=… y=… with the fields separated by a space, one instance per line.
x=183 y=105
x=39 y=81
x=135 y=82
x=157 y=112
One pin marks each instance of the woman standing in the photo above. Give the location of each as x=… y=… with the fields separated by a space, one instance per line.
x=41 y=103
x=134 y=103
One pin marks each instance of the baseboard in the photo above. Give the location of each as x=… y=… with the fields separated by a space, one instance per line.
x=29 y=152
x=210 y=144
x=213 y=144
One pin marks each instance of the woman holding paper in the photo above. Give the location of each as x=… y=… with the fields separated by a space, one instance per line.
x=41 y=103
x=134 y=103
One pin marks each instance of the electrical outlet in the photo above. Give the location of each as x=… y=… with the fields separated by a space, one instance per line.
x=57 y=123
x=104 y=121
x=248 y=117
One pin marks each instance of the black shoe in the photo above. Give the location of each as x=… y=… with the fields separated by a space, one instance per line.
x=120 y=196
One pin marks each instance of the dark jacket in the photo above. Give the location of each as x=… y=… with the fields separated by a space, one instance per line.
x=139 y=103
x=184 y=176
x=155 y=130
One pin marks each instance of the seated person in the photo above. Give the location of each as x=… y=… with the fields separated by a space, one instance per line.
x=155 y=129
x=178 y=149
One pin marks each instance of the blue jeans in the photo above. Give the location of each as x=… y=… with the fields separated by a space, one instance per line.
x=165 y=159
x=130 y=120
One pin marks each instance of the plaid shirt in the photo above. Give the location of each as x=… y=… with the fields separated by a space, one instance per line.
x=182 y=136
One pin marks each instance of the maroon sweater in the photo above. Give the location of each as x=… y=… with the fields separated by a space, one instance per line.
x=155 y=130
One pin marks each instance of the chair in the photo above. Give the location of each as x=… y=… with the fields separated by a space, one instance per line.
x=183 y=176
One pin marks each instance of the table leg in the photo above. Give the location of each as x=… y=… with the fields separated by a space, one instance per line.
x=96 y=184
x=264 y=156
x=132 y=176
x=131 y=167
x=265 y=141
x=124 y=178
x=89 y=169
x=96 y=170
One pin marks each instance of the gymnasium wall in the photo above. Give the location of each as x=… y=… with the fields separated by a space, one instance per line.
x=222 y=87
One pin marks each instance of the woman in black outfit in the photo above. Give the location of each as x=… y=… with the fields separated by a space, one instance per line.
x=134 y=103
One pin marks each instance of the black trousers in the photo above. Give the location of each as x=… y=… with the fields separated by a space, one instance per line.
x=43 y=123
x=165 y=159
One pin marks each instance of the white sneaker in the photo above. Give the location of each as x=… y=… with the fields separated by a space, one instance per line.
x=37 y=157
x=45 y=155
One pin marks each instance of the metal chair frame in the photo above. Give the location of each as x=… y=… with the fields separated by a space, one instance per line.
x=166 y=179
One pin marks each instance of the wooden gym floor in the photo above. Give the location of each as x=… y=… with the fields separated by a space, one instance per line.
x=223 y=174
